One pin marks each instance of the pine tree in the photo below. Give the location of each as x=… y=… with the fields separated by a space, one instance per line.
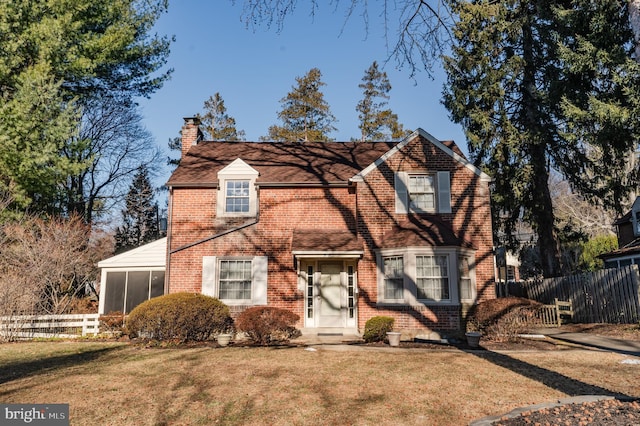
x=542 y=86
x=373 y=116
x=140 y=218
x=216 y=123
x=305 y=114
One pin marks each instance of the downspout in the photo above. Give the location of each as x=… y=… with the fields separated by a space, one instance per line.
x=167 y=267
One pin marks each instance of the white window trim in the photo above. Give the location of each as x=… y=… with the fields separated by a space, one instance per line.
x=211 y=279
x=237 y=170
x=410 y=290
x=442 y=191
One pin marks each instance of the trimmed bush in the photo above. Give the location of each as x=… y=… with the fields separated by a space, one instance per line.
x=265 y=324
x=376 y=328
x=181 y=317
x=503 y=319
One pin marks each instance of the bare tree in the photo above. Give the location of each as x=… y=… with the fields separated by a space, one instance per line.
x=45 y=264
x=114 y=143
x=416 y=32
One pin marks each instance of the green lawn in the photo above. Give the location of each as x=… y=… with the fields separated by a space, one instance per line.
x=120 y=384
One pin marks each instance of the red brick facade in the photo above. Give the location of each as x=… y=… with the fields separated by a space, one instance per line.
x=362 y=206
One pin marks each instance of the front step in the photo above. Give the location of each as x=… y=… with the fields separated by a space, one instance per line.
x=327 y=335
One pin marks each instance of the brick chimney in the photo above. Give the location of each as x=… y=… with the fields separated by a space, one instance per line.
x=191 y=134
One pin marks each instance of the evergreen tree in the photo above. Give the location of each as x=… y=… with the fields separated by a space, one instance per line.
x=374 y=118
x=540 y=86
x=35 y=123
x=56 y=57
x=216 y=123
x=305 y=114
x=140 y=218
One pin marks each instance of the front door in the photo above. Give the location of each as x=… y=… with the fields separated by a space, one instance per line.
x=331 y=296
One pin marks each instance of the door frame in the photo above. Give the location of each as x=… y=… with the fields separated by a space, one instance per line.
x=310 y=283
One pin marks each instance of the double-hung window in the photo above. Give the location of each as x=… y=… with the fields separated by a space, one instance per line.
x=393 y=278
x=422 y=195
x=432 y=278
x=464 y=278
x=422 y=192
x=237 y=196
x=235 y=280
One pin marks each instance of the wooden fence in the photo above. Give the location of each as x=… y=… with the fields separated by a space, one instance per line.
x=32 y=326
x=607 y=296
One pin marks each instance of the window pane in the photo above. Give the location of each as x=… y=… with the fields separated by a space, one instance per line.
x=235 y=279
x=137 y=289
x=393 y=278
x=157 y=283
x=432 y=277
x=114 y=292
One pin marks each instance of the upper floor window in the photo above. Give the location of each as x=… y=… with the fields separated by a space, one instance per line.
x=237 y=194
x=421 y=192
x=237 y=197
x=422 y=196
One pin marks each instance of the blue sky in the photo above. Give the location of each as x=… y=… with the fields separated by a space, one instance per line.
x=254 y=69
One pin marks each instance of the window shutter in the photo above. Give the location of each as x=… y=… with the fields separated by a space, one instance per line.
x=259 y=278
x=209 y=276
x=444 y=192
x=402 y=192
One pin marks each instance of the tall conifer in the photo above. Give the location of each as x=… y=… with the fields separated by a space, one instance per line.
x=305 y=114
x=538 y=86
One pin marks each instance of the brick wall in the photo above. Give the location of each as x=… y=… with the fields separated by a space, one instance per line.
x=470 y=219
x=281 y=210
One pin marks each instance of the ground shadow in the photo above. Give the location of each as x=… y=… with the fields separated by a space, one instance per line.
x=552 y=379
x=22 y=369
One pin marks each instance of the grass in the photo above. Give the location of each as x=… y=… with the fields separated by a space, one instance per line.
x=120 y=384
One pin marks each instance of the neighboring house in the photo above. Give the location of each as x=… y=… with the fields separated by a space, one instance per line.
x=335 y=232
x=628 y=230
x=132 y=277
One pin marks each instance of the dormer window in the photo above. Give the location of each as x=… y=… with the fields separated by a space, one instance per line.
x=237 y=195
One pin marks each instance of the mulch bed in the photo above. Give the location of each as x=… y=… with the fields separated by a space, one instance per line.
x=606 y=412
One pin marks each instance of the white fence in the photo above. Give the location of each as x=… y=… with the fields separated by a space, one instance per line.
x=33 y=326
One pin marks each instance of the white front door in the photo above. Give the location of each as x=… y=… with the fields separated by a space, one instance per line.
x=331 y=296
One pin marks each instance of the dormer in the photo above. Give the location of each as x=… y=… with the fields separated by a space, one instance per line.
x=237 y=194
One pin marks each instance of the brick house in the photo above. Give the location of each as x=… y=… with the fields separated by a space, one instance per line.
x=335 y=232
x=628 y=233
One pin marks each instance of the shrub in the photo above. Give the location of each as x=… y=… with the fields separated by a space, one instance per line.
x=112 y=323
x=180 y=316
x=504 y=318
x=265 y=324
x=376 y=328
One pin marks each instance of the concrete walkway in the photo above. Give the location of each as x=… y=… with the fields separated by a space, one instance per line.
x=590 y=340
